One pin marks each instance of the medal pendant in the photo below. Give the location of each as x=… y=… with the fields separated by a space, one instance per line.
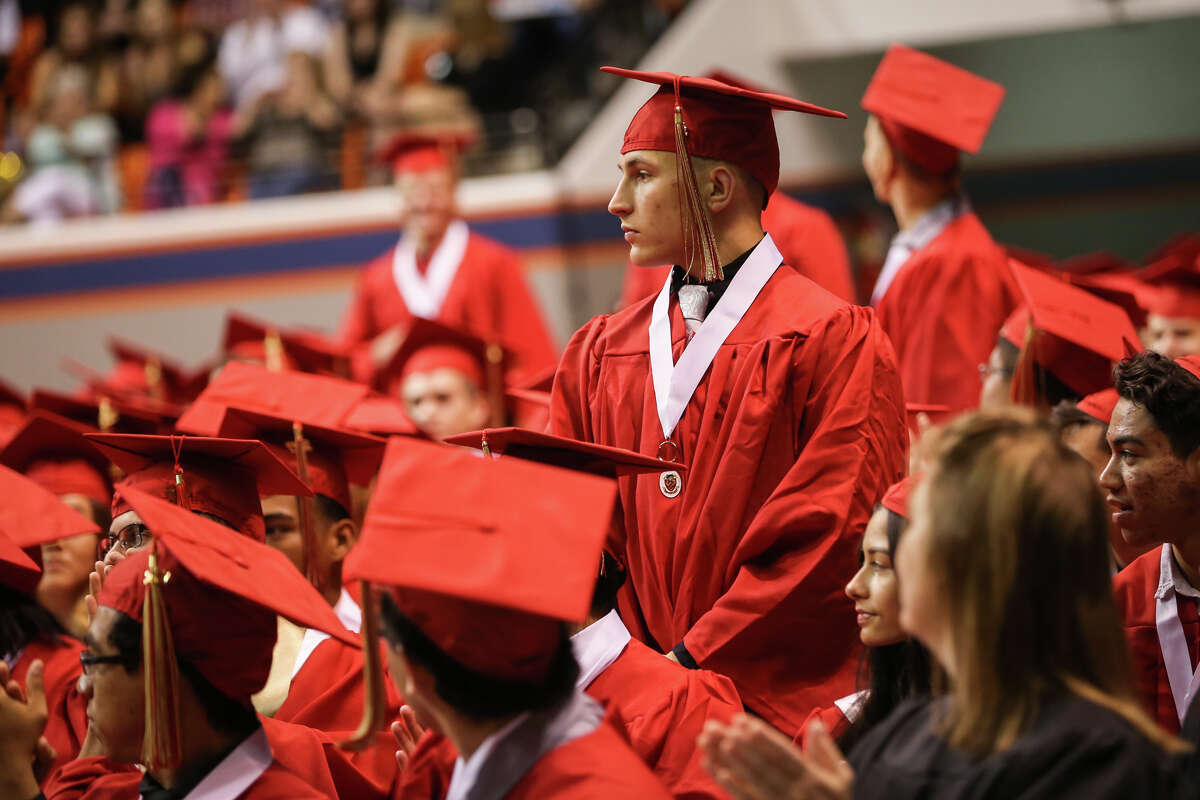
x=669 y=483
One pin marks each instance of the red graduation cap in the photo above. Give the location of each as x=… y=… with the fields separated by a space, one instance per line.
x=140 y=371
x=17 y=570
x=420 y=151
x=896 y=498
x=430 y=345
x=1099 y=405
x=929 y=109
x=309 y=399
x=1119 y=288
x=109 y=415
x=1191 y=364
x=1068 y=331
x=1183 y=244
x=382 y=416
x=223 y=477
x=1100 y=261
x=32 y=516
x=12 y=411
x=1172 y=285
x=208 y=597
x=488 y=557
x=52 y=451
x=559 y=451
x=278 y=348
x=706 y=118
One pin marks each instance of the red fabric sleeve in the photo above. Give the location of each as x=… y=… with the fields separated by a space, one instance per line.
x=93 y=778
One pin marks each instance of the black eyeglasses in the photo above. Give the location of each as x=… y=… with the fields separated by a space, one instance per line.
x=87 y=660
x=133 y=536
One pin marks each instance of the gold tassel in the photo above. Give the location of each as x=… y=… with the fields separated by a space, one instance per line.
x=161 y=740
x=1025 y=390
x=273 y=351
x=300 y=448
x=698 y=238
x=373 y=690
x=483 y=445
x=154 y=379
x=495 y=384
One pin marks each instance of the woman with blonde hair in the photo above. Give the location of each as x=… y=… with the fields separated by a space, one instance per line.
x=1003 y=576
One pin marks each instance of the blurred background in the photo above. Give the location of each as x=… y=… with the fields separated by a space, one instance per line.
x=165 y=161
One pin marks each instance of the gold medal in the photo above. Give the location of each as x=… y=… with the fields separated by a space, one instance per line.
x=670 y=483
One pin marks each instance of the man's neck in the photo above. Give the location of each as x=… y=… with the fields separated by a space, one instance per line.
x=1187 y=557
x=912 y=200
x=203 y=748
x=734 y=240
x=469 y=735
x=426 y=245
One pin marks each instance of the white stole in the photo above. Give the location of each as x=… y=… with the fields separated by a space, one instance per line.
x=674 y=383
x=237 y=772
x=1171 y=639
x=424 y=294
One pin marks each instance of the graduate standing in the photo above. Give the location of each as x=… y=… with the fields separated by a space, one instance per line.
x=440 y=270
x=944 y=289
x=783 y=401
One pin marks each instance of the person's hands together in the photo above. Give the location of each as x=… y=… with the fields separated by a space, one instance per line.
x=22 y=720
x=407 y=731
x=96 y=579
x=753 y=761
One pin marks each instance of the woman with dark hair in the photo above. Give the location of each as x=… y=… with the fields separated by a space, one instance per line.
x=1006 y=582
x=895 y=666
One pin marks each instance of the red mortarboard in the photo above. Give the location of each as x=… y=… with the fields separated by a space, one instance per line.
x=338 y=457
x=208 y=597
x=1075 y=335
x=102 y=413
x=17 y=570
x=12 y=411
x=1191 y=364
x=308 y=399
x=1172 y=285
x=278 y=349
x=895 y=499
x=1121 y=289
x=1183 y=244
x=51 y=451
x=142 y=371
x=930 y=109
x=1099 y=262
x=421 y=151
x=1099 y=405
x=31 y=515
x=559 y=451
x=488 y=557
x=223 y=477
x=383 y=416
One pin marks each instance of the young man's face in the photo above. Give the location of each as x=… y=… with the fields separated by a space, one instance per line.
x=444 y=402
x=428 y=202
x=281 y=513
x=1151 y=491
x=1172 y=337
x=115 y=696
x=647 y=202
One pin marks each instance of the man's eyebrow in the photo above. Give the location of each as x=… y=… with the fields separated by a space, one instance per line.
x=874 y=550
x=1127 y=440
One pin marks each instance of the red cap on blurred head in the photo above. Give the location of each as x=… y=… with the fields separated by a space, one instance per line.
x=426 y=150
x=17 y=570
x=278 y=349
x=560 y=451
x=895 y=499
x=1172 y=284
x=1099 y=405
x=140 y=371
x=222 y=477
x=430 y=345
x=929 y=109
x=1191 y=364
x=1073 y=334
x=51 y=451
x=488 y=557
x=1118 y=288
x=108 y=415
x=32 y=516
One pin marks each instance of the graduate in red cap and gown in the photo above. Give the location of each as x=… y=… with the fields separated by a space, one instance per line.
x=51 y=451
x=181 y=640
x=443 y=271
x=783 y=401
x=1154 y=490
x=1171 y=295
x=29 y=632
x=944 y=289
x=482 y=564
x=806 y=236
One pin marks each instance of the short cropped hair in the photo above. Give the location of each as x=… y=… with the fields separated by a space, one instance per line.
x=1169 y=392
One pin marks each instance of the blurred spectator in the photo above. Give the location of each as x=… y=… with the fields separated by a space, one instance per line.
x=288 y=136
x=254 y=49
x=69 y=154
x=74 y=44
x=354 y=51
x=188 y=139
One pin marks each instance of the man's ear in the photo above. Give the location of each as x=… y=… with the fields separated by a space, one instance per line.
x=341 y=536
x=722 y=185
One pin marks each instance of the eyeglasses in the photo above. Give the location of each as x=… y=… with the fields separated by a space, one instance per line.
x=133 y=536
x=87 y=660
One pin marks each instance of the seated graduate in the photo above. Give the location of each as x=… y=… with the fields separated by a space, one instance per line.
x=1006 y=582
x=895 y=666
x=181 y=639
x=486 y=562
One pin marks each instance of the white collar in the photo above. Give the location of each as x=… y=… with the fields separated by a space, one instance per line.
x=675 y=382
x=348 y=613
x=597 y=646
x=851 y=705
x=238 y=771
x=927 y=228
x=1170 y=576
x=424 y=294
x=1183 y=679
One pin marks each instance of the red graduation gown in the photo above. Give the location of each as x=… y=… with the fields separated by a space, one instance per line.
x=944 y=310
x=488 y=297
x=328 y=693
x=806 y=236
x=1134 y=589
x=100 y=779
x=66 y=724
x=790 y=439
x=662 y=708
